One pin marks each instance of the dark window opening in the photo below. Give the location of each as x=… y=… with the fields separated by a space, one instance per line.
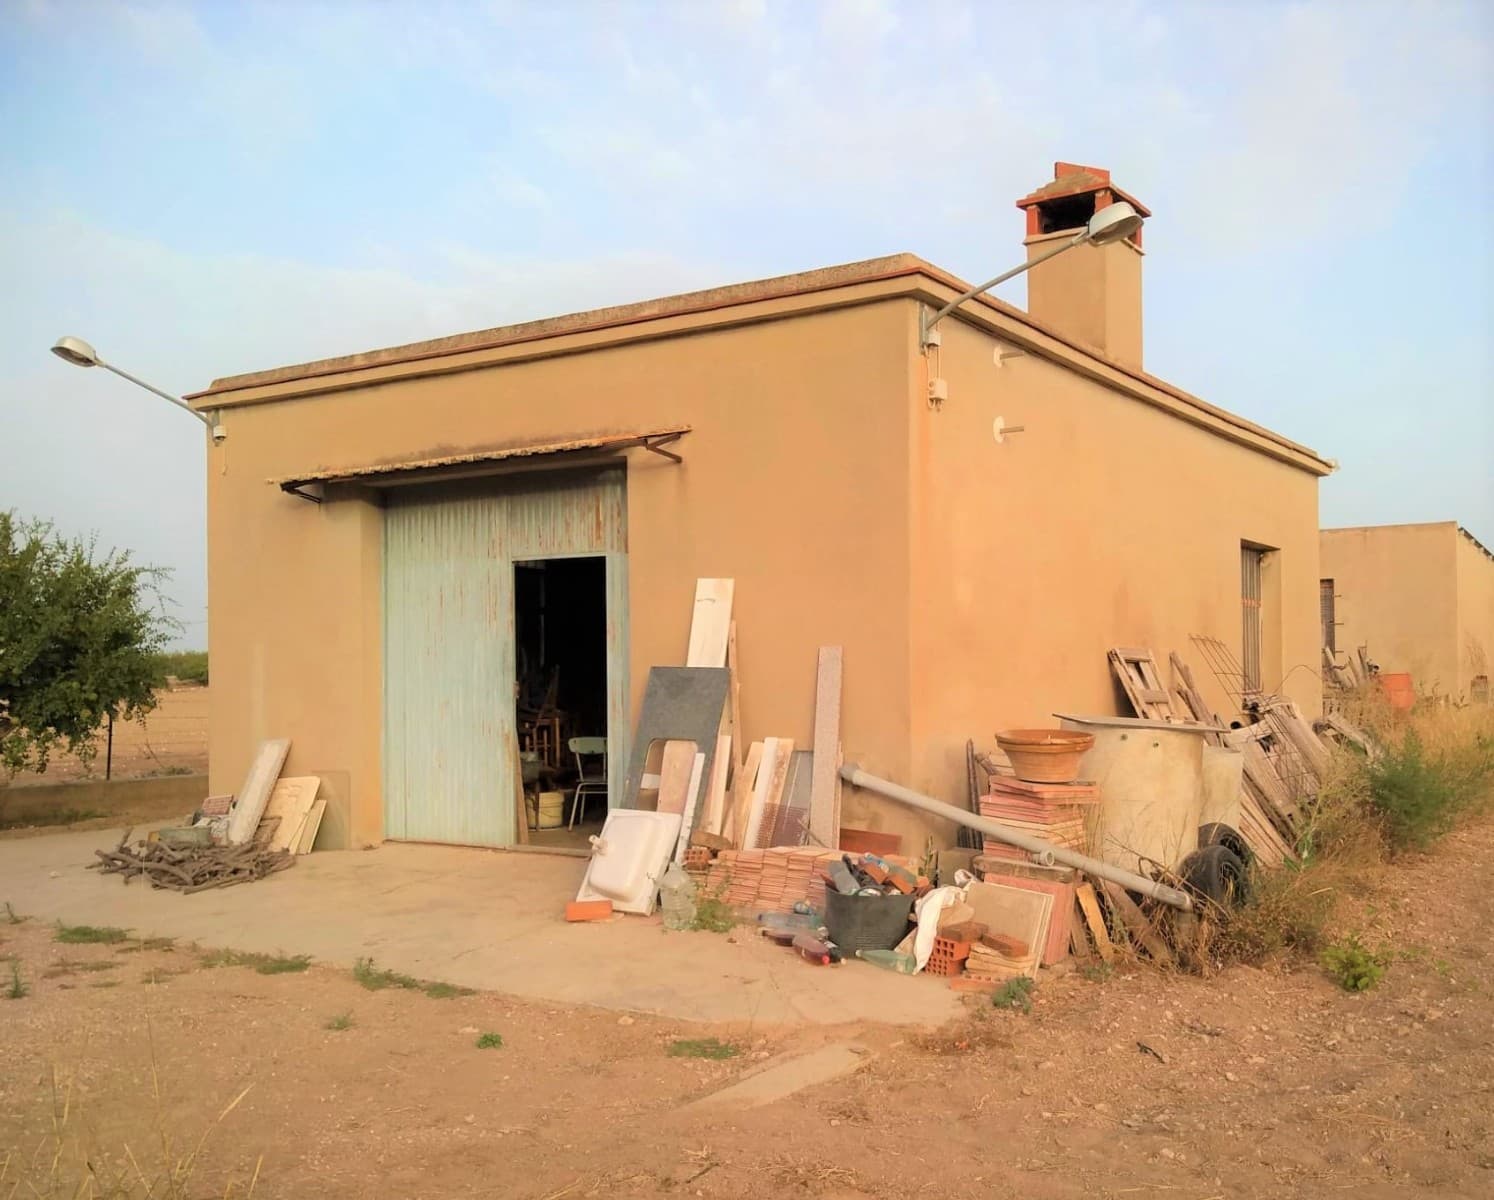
x=1067 y=212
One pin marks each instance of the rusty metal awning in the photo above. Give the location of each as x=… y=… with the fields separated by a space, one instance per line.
x=489 y=460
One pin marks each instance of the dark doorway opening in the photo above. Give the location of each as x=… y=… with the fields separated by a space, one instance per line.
x=560 y=654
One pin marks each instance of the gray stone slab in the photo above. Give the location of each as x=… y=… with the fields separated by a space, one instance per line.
x=680 y=704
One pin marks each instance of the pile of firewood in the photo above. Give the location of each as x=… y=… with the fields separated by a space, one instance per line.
x=191 y=868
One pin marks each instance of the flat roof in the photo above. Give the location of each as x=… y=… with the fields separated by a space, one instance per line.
x=632 y=321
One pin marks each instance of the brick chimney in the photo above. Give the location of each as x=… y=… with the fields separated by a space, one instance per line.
x=1091 y=294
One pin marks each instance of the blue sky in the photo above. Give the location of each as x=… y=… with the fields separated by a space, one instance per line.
x=201 y=189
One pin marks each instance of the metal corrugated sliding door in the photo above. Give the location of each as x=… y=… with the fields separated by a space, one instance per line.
x=450 y=743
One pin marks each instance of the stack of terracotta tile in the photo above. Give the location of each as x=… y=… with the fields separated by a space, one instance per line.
x=773 y=880
x=1054 y=812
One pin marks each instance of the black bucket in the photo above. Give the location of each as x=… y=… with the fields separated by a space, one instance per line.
x=866 y=922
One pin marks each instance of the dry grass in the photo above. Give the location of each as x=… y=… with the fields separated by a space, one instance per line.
x=1437 y=769
x=68 y=1163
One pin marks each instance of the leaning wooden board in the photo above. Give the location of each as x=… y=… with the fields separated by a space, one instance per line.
x=710 y=633
x=290 y=804
x=249 y=804
x=824 y=792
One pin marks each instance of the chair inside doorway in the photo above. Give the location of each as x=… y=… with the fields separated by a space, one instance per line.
x=560 y=626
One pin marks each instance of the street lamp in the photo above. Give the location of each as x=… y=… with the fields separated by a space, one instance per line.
x=81 y=354
x=1109 y=224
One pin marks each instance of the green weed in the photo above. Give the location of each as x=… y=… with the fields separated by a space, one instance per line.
x=1098 y=971
x=265 y=964
x=18 y=987
x=1014 y=994
x=154 y=943
x=68 y=966
x=375 y=980
x=711 y=1048
x=490 y=1041
x=1353 y=966
x=10 y=915
x=1420 y=792
x=86 y=935
x=713 y=915
x=340 y=1022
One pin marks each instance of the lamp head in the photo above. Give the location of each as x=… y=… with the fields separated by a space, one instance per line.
x=1113 y=223
x=76 y=351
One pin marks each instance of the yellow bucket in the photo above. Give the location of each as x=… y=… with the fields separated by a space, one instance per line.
x=551 y=810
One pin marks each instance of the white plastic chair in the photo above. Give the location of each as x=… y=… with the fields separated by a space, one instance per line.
x=592 y=783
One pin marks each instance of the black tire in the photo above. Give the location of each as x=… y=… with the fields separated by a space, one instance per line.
x=1217 y=873
x=1219 y=834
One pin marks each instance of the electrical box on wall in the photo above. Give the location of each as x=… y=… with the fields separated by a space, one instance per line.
x=938 y=391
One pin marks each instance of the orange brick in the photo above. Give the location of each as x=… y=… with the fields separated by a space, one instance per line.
x=588 y=910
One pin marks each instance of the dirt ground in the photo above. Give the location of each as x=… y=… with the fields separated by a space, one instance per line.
x=174 y=737
x=1265 y=1082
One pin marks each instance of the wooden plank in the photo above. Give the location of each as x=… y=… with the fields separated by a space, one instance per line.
x=1094 y=920
x=824 y=791
x=715 y=800
x=674 y=776
x=1192 y=698
x=284 y=819
x=313 y=824
x=710 y=623
x=521 y=803
x=249 y=804
x=1136 y=922
x=1268 y=846
x=742 y=790
x=1294 y=725
x=692 y=806
x=768 y=796
x=734 y=697
x=710 y=632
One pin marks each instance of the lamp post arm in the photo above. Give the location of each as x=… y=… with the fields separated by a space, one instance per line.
x=930 y=321
x=176 y=400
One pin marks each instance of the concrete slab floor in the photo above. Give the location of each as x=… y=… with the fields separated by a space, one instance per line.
x=479 y=918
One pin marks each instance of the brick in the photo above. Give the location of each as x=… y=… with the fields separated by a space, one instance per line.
x=965 y=931
x=968 y=983
x=588 y=910
x=1004 y=943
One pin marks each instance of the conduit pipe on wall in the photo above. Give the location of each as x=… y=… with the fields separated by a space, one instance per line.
x=1132 y=882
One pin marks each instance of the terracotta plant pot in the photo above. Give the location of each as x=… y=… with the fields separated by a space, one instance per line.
x=1044 y=755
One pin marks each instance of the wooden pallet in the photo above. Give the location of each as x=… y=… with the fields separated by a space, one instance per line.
x=1137 y=672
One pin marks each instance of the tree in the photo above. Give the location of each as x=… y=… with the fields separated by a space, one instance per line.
x=79 y=632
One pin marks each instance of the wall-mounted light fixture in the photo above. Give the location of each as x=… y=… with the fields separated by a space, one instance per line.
x=81 y=354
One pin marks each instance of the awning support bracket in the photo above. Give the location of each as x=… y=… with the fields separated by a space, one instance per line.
x=295 y=489
x=656 y=445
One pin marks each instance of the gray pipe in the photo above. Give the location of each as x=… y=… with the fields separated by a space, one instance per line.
x=1132 y=882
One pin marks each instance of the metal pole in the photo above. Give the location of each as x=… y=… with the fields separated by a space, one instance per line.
x=109 y=750
x=929 y=322
x=176 y=400
x=1129 y=880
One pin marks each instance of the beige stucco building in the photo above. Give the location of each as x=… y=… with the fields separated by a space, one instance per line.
x=370 y=518
x=1419 y=598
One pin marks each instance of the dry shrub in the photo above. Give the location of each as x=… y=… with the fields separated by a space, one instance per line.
x=1436 y=769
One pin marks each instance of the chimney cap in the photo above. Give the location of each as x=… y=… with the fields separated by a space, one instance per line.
x=1075 y=179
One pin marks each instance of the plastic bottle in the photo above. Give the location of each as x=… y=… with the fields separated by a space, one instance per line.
x=677 y=898
x=891 y=960
x=815 y=950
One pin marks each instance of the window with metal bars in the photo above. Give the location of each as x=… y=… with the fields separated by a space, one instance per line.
x=1328 y=614
x=1251 y=560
